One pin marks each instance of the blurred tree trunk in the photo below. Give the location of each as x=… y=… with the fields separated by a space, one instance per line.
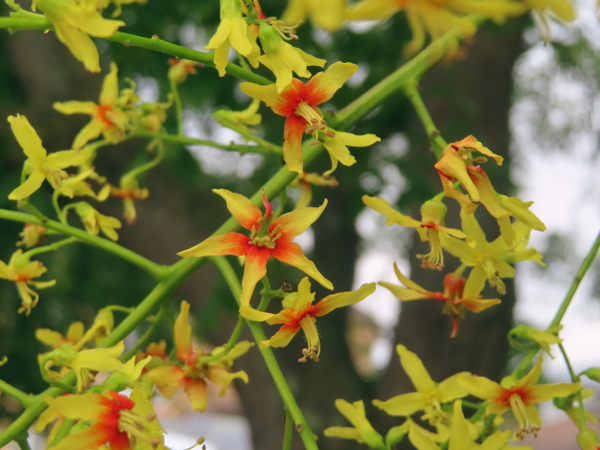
x=468 y=97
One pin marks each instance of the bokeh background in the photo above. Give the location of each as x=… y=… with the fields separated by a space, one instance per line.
x=535 y=104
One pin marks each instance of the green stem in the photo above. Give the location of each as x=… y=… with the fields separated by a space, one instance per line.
x=160 y=153
x=21 y=440
x=280 y=382
x=235 y=335
x=583 y=268
x=266 y=149
x=412 y=70
x=20 y=396
x=412 y=92
x=178 y=107
x=62 y=432
x=153 y=43
x=146 y=337
x=49 y=248
x=289 y=427
x=243 y=130
x=578 y=395
x=156 y=270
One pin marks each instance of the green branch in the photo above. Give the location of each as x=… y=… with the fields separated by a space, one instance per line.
x=20 y=396
x=291 y=407
x=562 y=310
x=411 y=90
x=156 y=270
x=267 y=149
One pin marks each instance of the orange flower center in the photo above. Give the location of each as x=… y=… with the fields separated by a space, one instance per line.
x=101 y=114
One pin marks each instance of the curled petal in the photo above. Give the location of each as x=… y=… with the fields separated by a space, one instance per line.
x=291 y=253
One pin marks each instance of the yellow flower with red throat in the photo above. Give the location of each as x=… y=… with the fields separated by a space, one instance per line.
x=298 y=103
x=433 y=213
x=269 y=237
x=107 y=118
x=458 y=295
x=518 y=396
x=21 y=270
x=73 y=21
x=116 y=421
x=299 y=313
x=195 y=371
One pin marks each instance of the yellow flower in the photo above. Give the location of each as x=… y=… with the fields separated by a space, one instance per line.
x=362 y=431
x=328 y=15
x=519 y=396
x=232 y=32
x=129 y=191
x=57 y=340
x=84 y=361
x=21 y=270
x=74 y=21
x=436 y=17
x=460 y=438
x=108 y=118
x=180 y=69
x=299 y=313
x=543 y=338
x=194 y=373
x=32 y=235
x=429 y=396
x=112 y=420
x=282 y=58
x=458 y=295
x=269 y=237
x=39 y=164
x=94 y=221
x=490 y=260
x=77 y=186
x=433 y=214
x=248 y=116
x=298 y=103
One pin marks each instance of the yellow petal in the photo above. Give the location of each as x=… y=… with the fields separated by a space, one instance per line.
x=342 y=299
x=27 y=137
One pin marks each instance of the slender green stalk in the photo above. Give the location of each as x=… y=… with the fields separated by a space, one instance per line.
x=391 y=84
x=244 y=131
x=280 y=382
x=412 y=92
x=178 y=107
x=62 y=432
x=49 y=248
x=146 y=337
x=578 y=395
x=289 y=427
x=20 y=396
x=265 y=149
x=583 y=268
x=235 y=335
x=156 y=270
